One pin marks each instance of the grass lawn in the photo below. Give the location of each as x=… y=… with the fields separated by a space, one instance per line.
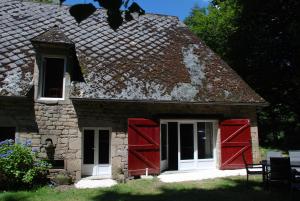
x=227 y=189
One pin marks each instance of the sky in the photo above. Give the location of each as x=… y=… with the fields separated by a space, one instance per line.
x=179 y=8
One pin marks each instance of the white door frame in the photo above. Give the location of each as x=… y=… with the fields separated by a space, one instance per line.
x=164 y=163
x=96 y=169
x=195 y=163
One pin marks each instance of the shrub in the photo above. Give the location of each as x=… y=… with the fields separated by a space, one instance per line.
x=20 y=165
x=62 y=179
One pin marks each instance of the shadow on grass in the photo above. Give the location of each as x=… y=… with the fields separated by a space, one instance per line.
x=227 y=189
x=14 y=197
x=234 y=190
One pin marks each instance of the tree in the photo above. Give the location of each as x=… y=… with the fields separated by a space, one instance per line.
x=261 y=41
x=265 y=51
x=215 y=24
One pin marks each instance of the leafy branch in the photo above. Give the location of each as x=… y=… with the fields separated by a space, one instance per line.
x=115 y=15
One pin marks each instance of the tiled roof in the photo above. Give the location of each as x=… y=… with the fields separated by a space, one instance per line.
x=152 y=58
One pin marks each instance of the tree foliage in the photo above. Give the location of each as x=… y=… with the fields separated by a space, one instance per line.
x=215 y=24
x=261 y=41
x=266 y=52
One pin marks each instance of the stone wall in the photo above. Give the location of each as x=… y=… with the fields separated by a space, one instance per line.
x=63 y=121
x=58 y=121
x=95 y=114
x=19 y=113
x=37 y=121
x=115 y=115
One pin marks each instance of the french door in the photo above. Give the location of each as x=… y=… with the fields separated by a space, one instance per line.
x=196 y=143
x=96 y=152
x=187 y=146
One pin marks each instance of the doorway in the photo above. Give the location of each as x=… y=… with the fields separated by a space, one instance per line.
x=96 y=152
x=190 y=144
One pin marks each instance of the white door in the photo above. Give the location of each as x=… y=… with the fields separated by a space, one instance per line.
x=205 y=145
x=163 y=147
x=196 y=145
x=187 y=148
x=96 y=152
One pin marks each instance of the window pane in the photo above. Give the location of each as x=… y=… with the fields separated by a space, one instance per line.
x=187 y=141
x=88 y=147
x=103 y=147
x=173 y=145
x=53 y=77
x=205 y=137
x=7 y=133
x=163 y=142
x=201 y=140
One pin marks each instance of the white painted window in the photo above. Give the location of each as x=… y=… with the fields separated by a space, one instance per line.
x=52 y=82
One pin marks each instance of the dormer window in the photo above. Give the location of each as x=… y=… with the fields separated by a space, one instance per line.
x=54 y=75
x=52 y=82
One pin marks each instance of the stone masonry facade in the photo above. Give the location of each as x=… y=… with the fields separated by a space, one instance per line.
x=58 y=121
x=63 y=123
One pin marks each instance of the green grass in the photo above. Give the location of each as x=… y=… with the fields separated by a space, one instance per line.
x=227 y=189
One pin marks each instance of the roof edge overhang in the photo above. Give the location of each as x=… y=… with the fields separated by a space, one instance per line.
x=14 y=97
x=43 y=44
x=257 y=104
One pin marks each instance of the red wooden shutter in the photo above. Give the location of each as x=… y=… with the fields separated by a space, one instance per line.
x=235 y=139
x=143 y=147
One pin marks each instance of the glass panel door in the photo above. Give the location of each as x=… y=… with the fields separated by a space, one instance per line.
x=88 y=146
x=96 y=152
x=103 y=147
x=205 y=140
x=186 y=141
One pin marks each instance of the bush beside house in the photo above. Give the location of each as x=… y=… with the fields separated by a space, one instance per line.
x=20 y=167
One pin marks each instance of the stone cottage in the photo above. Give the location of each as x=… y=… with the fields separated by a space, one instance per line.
x=148 y=97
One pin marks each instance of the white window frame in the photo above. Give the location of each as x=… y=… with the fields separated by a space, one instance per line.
x=42 y=78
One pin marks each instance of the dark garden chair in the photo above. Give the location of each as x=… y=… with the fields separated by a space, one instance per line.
x=295 y=160
x=295 y=184
x=279 y=171
x=252 y=169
